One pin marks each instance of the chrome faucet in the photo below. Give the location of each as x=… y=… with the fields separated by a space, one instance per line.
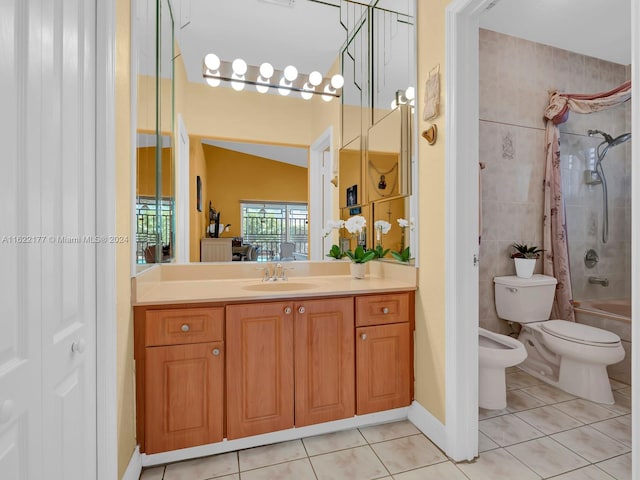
x=275 y=272
x=599 y=281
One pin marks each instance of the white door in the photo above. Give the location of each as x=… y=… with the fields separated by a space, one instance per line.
x=182 y=194
x=47 y=249
x=327 y=198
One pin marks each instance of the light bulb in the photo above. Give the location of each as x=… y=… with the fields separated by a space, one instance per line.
x=284 y=91
x=410 y=93
x=239 y=66
x=315 y=78
x=211 y=61
x=328 y=89
x=212 y=82
x=266 y=70
x=337 y=81
x=307 y=91
x=237 y=86
x=290 y=73
x=260 y=87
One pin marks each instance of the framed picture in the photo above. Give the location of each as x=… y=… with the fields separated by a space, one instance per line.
x=198 y=193
x=352 y=195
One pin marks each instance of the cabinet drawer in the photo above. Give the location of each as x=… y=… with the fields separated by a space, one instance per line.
x=184 y=325
x=382 y=309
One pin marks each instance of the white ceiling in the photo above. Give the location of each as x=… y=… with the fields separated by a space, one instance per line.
x=596 y=28
x=293 y=155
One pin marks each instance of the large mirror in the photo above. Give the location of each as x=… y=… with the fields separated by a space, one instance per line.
x=244 y=188
x=155 y=171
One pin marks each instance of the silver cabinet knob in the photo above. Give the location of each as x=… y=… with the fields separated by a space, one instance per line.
x=385 y=310
x=301 y=310
x=185 y=327
x=287 y=310
x=79 y=346
x=216 y=351
x=363 y=336
x=6 y=411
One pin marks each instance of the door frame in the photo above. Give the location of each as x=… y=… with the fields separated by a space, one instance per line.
x=317 y=215
x=106 y=317
x=461 y=224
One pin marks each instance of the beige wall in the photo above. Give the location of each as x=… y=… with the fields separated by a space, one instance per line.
x=430 y=327
x=125 y=367
x=199 y=220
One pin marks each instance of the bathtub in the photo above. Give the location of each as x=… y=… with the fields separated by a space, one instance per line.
x=613 y=315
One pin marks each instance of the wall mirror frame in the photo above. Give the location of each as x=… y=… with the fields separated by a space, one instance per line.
x=185 y=89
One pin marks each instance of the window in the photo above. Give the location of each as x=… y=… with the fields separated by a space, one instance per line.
x=146 y=219
x=267 y=225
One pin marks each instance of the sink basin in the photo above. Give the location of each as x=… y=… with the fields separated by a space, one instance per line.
x=281 y=286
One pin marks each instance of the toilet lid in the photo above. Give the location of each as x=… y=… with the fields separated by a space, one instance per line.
x=578 y=332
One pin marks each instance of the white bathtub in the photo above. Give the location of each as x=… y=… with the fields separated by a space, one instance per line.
x=613 y=315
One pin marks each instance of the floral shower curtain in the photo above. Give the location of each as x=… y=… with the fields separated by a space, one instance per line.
x=556 y=255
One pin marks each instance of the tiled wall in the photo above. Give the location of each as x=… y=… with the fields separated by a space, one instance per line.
x=515 y=76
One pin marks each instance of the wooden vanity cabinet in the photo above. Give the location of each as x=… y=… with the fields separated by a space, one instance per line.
x=289 y=363
x=180 y=377
x=324 y=360
x=384 y=352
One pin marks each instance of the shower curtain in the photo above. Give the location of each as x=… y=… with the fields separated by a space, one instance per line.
x=556 y=254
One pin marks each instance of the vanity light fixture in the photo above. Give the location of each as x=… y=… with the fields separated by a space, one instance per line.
x=265 y=77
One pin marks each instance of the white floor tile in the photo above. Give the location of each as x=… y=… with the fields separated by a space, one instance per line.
x=408 y=453
x=618 y=428
x=518 y=400
x=271 y=454
x=485 y=443
x=497 y=465
x=548 y=394
x=203 y=468
x=360 y=463
x=549 y=419
x=508 y=429
x=153 y=473
x=298 y=470
x=618 y=467
x=585 y=411
x=546 y=457
x=332 y=442
x=388 y=431
x=521 y=379
x=590 y=444
x=439 y=471
x=587 y=473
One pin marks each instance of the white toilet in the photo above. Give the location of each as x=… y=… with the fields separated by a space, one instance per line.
x=568 y=355
x=495 y=353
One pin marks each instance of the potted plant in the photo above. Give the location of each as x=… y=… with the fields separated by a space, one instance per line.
x=525 y=258
x=358 y=258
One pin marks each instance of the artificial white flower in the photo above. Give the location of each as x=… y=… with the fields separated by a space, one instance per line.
x=355 y=224
x=383 y=226
x=403 y=223
x=332 y=225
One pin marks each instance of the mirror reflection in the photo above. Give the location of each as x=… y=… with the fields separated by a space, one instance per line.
x=239 y=141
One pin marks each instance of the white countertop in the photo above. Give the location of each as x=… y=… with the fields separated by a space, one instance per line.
x=198 y=283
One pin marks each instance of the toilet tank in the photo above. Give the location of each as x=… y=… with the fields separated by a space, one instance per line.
x=524 y=300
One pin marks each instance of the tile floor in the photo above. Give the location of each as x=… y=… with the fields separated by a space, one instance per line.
x=543 y=433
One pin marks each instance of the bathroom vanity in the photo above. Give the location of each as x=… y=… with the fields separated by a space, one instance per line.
x=232 y=358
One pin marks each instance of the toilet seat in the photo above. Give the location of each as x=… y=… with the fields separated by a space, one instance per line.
x=579 y=333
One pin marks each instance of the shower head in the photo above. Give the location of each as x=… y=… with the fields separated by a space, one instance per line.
x=620 y=139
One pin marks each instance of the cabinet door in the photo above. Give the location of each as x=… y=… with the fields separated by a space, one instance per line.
x=325 y=361
x=184 y=396
x=259 y=340
x=383 y=367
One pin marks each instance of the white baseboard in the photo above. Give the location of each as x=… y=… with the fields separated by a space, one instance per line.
x=135 y=466
x=274 y=437
x=428 y=424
